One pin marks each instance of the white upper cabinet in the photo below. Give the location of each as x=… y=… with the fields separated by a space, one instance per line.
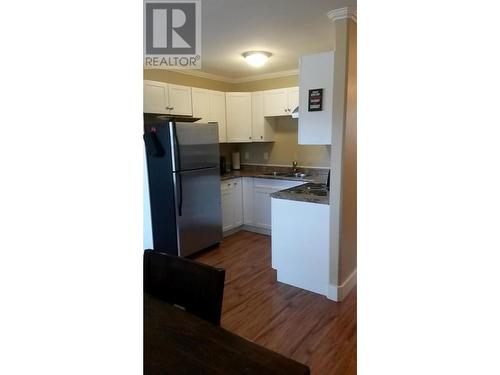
x=155 y=97
x=160 y=97
x=179 y=100
x=262 y=127
x=280 y=102
x=316 y=72
x=239 y=116
x=210 y=106
x=217 y=106
x=293 y=99
x=201 y=104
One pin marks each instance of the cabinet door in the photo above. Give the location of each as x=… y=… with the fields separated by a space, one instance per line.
x=237 y=197
x=262 y=206
x=262 y=190
x=248 y=208
x=262 y=127
x=201 y=104
x=155 y=97
x=217 y=106
x=257 y=116
x=179 y=100
x=239 y=116
x=227 y=206
x=275 y=102
x=293 y=99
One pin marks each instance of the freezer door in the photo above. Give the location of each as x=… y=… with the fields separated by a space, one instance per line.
x=195 y=145
x=198 y=209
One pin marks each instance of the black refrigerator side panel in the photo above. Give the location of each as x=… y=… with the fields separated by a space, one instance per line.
x=161 y=187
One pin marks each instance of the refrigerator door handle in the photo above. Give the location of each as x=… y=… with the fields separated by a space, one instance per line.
x=174 y=149
x=178 y=192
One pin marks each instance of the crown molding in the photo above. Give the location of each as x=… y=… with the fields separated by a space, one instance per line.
x=343 y=13
x=199 y=73
x=258 y=77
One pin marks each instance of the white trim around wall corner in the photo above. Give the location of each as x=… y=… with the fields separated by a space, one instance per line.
x=342 y=13
x=338 y=293
x=215 y=77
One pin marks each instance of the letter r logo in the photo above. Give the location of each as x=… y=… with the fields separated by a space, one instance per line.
x=170 y=28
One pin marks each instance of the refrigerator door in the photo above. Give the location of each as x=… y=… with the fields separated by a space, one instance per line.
x=198 y=209
x=194 y=145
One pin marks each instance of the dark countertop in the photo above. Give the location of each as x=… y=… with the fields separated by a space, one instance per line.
x=254 y=174
x=303 y=193
x=261 y=174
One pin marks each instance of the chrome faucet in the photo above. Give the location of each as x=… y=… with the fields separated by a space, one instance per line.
x=294 y=167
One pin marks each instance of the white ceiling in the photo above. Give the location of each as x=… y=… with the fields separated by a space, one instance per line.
x=286 y=28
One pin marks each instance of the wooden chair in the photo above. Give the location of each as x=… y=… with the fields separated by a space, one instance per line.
x=195 y=287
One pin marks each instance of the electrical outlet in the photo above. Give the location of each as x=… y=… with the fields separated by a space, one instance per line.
x=246 y=155
x=266 y=155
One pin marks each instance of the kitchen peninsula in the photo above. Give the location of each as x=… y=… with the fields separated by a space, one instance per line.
x=301 y=236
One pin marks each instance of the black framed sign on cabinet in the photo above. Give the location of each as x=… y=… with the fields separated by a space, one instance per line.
x=315 y=100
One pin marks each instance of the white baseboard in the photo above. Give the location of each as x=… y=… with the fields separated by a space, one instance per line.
x=338 y=293
x=249 y=228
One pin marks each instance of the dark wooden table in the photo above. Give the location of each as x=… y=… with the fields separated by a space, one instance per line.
x=176 y=342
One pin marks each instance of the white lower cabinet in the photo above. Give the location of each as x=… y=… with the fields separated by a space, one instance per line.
x=232 y=204
x=262 y=206
x=257 y=199
x=247 y=201
x=301 y=244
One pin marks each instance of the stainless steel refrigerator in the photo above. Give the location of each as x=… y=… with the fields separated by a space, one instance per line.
x=184 y=185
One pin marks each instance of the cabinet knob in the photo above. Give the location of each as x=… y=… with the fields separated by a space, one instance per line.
x=261 y=137
x=249 y=137
x=285 y=109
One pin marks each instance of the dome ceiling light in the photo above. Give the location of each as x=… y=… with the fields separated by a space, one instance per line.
x=256 y=58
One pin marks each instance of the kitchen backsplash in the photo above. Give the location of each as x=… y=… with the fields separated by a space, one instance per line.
x=281 y=152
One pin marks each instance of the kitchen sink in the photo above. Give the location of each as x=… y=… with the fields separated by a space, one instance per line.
x=282 y=174
x=285 y=174
x=298 y=175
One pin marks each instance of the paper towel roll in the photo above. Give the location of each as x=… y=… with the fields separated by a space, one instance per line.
x=236 y=160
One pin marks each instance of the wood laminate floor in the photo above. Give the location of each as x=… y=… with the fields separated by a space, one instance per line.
x=294 y=322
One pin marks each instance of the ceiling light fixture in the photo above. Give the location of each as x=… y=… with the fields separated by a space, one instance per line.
x=256 y=58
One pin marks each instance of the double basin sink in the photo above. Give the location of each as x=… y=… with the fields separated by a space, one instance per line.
x=286 y=174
